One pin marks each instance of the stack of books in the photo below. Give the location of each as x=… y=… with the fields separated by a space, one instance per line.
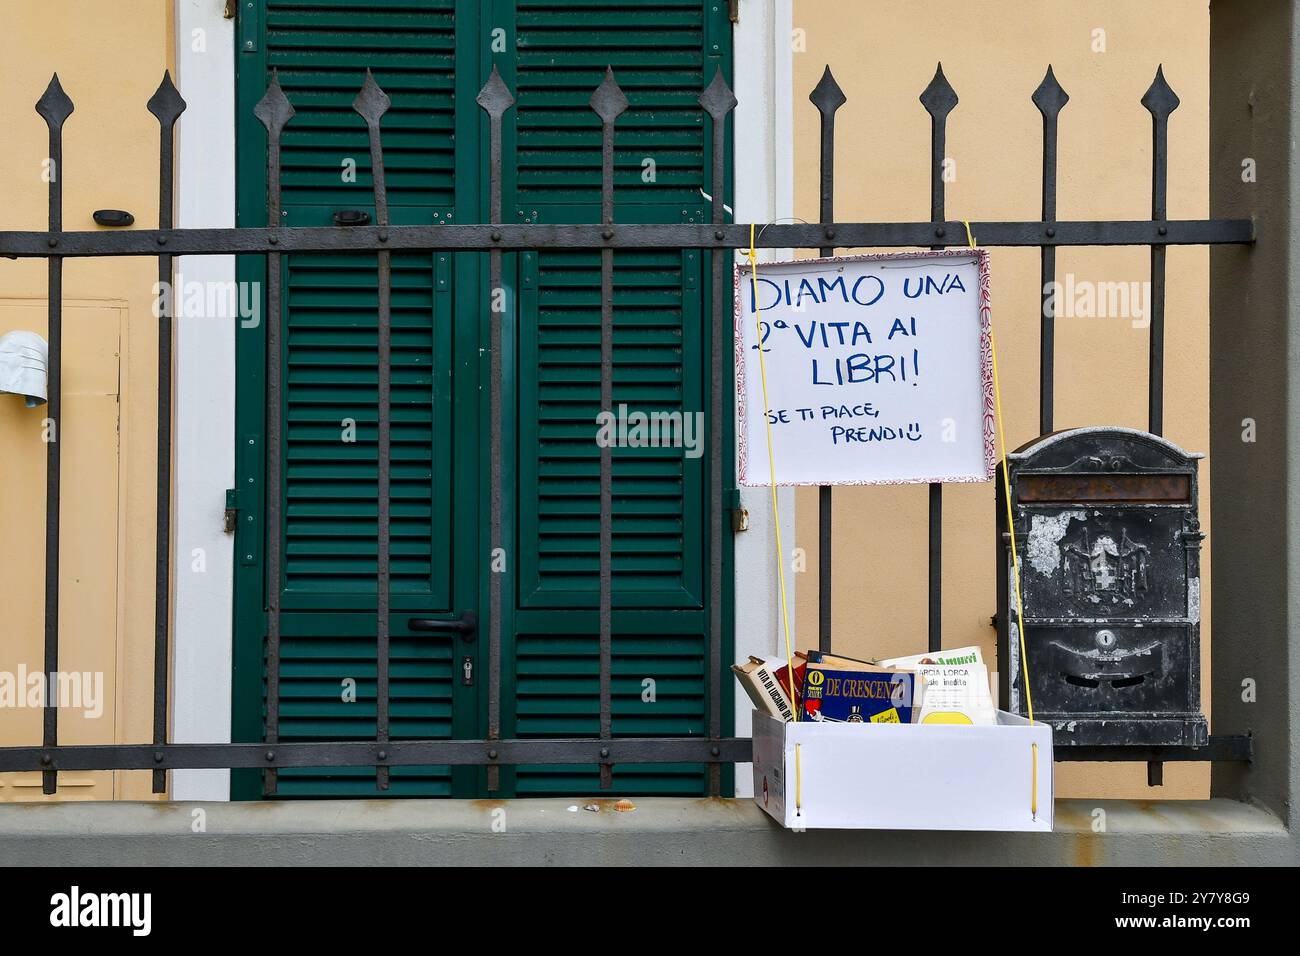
x=948 y=687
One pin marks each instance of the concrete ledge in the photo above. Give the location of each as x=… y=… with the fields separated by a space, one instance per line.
x=660 y=831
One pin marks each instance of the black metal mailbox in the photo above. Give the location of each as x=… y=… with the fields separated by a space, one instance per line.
x=1109 y=545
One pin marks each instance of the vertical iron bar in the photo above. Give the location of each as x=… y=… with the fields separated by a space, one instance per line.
x=166 y=104
x=54 y=107
x=1160 y=101
x=717 y=101
x=274 y=111
x=1050 y=98
x=939 y=99
x=371 y=104
x=495 y=99
x=609 y=103
x=827 y=97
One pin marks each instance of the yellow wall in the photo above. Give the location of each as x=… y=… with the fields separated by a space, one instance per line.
x=110 y=370
x=994 y=53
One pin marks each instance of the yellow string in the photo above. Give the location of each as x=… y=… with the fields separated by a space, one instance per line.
x=1015 y=558
x=771 y=466
x=1033 y=787
x=970 y=240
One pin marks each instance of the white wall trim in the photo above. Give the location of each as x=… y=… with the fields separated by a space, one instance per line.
x=205 y=400
x=764 y=185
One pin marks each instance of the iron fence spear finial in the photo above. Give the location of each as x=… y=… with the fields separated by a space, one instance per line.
x=166 y=103
x=54 y=104
x=717 y=98
x=939 y=98
x=495 y=97
x=1049 y=97
x=274 y=108
x=1160 y=99
x=827 y=95
x=608 y=100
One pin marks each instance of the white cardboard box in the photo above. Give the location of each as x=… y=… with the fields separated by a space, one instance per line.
x=904 y=776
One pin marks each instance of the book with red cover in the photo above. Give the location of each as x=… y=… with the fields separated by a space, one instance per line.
x=782 y=675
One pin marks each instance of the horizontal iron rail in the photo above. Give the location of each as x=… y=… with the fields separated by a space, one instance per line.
x=487 y=236
x=364 y=753
x=399 y=753
x=1223 y=748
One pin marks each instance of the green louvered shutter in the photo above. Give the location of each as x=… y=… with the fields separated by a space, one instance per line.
x=321 y=50
x=431 y=56
x=662 y=54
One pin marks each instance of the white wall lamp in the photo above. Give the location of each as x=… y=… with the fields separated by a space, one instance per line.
x=25 y=366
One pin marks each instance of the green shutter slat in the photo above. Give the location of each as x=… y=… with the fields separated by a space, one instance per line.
x=321 y=51
x=317 y=656
x=650 y=549
x=331 y=377
x=657 y=53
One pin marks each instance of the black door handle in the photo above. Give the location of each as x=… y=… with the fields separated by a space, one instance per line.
x=351 y=217
x=466 y=626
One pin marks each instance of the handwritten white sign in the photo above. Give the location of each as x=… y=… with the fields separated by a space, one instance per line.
x=878 y=369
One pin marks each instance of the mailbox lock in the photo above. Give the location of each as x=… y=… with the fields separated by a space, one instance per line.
x=1106 y=639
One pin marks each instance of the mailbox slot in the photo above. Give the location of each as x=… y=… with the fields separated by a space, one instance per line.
x=1057 y=488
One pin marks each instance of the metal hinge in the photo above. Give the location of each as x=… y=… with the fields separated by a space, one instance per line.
x=733 y=11
x=232 y=511
x=739 y=513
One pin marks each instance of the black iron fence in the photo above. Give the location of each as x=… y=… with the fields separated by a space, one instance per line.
x=496 y=238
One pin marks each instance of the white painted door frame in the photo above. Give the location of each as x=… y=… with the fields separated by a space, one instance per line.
x=202 y=625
